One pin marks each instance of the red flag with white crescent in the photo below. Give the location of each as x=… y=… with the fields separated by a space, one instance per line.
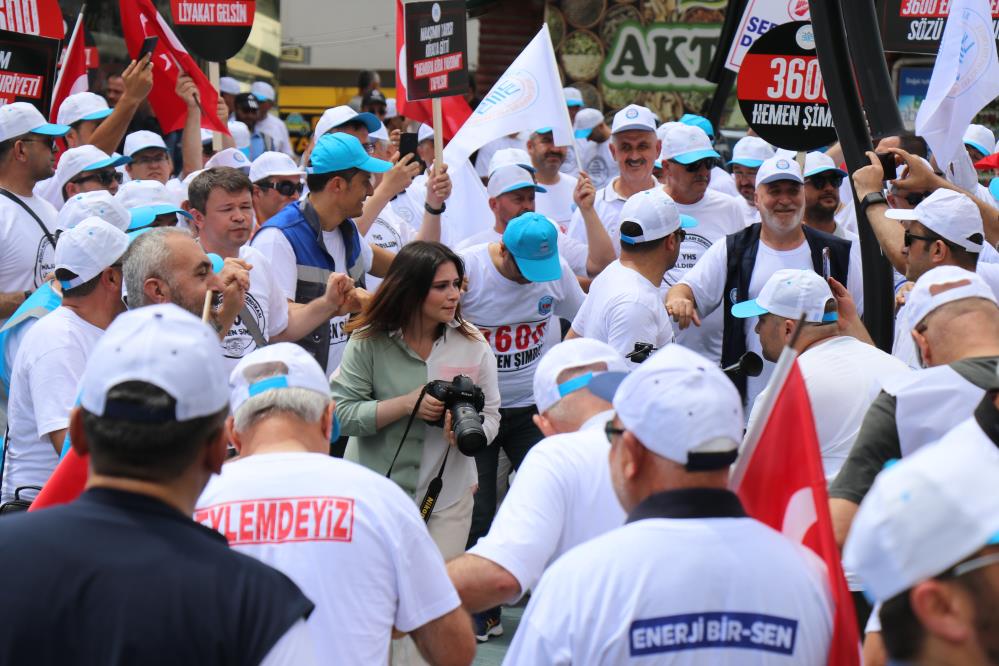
x=72 y=77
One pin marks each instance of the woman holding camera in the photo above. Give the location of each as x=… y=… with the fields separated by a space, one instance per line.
x=409 y=334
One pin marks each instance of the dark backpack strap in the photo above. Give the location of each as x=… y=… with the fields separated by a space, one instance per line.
x=41 y=225
x=741 y=248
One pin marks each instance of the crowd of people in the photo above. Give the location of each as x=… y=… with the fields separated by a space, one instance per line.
x=258 y=412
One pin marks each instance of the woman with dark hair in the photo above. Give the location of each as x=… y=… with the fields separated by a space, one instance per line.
x=410 y=333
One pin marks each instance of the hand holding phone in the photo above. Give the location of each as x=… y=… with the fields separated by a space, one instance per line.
x=407 y=145
x=148 y=46
x=888 y=165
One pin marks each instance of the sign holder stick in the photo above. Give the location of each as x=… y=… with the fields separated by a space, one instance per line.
x=213 y=76
x=435 y=104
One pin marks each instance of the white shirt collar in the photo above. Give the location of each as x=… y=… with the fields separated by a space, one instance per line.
x=597 y=420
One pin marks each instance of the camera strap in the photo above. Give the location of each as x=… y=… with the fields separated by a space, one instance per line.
x=409 y=424
x=434 y=490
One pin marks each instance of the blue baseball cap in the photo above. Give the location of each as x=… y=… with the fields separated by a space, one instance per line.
x=339 y=151
x=994 y=188
x=532 y=239
x=698 y=121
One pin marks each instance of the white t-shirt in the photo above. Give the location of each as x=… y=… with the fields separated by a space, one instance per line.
x=722 y=181
x=389 y=232
x=561 y=497
x=622 y=308
x=679 y=591
x=846 y=216
x=843 y=377
x=516 y=319
x=717 y=216
x=278 y=251
x=351 y=539
x=43 y=390
x=26 y=255
x=570 y=249
x=607 y=204
x=556 y=202
x=707 y=281
x=278 y=131
x=598 y=162
x=265 y=301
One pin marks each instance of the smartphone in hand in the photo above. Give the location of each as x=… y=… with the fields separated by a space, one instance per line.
x=148 y=46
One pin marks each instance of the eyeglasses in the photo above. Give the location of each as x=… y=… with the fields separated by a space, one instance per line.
x=611 y=432
x=285 y=188
x=916 y=198
x=907 y=238
x=105 y=177
x=820 y=182
x=159 y=156
x=49 y=143
x=707 y=163
x=369 y=147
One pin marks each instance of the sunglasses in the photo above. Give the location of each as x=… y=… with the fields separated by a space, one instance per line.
x=820 y=182
x=707 y=163
x=105 y=177
x=907 y=238
x=48 y=143
x=611 y=432
x=285 y=188
x=159 y=156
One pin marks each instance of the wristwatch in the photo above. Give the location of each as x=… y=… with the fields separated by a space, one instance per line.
x=435 y=211
x=872 y=199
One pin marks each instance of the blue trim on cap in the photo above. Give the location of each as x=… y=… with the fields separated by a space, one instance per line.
x=978 y=147
x=993 y=540
x=815 y=172
x=370 y=120
x=748 y=309
x=695 y=155
x=50 y=129
x=574 y=384
x=111 y=161
x=524 y=185
x=66 y=284
x=574 y=102
x=605 y=384
x=98 y=115
x=262 y=98
x=629 y=240
x=687 y=222
x=275 y=382
x=143 y=216
x=543 y=130
x=217 y=262
x=749 y=164
x=582 y=133
x=994 y=188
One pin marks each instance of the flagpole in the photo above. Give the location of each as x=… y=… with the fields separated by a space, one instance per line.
x=565 y=107
x=772 y=391
x=435 y=106
x=77 y=31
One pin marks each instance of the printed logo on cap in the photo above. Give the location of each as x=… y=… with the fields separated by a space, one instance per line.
x=783 y=164
x=545 y=305
x=733 y=295
x=631 y=113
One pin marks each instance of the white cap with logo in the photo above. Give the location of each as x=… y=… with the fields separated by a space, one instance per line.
x=509 y=178
x=751 y=152
x=338 y=115
x=680 y=406
x=20 y=118
x=273 y=163
x=924 y=514
x=162 y=345
x=791 y=293
x=633 y=117
x=141 y=140
x=288 y=366
x=950 y=214
x=87 y=249
x=778 y=168
x=99 y=203
x=82 y=106
x=687 y=144
x=230 y=157
x=656 y=213
x=574 y=353
x=942 y=285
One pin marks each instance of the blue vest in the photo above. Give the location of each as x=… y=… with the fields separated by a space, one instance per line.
x=299 y=223
x=36 y=306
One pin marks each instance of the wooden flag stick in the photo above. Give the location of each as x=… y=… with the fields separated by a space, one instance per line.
x=438 y=134
x=206 y=311
x=213 y=76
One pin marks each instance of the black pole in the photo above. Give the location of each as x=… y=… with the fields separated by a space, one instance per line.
x=851 y=128
x=876 y=90
x=716 y=107
x=733 y=14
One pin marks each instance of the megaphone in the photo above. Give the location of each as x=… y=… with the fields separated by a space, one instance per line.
x=750 y=364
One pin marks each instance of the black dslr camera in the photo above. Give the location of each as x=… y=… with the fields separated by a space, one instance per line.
x=641 y=352
x=465 y=401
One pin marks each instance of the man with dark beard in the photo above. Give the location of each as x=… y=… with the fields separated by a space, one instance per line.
x=822 y=201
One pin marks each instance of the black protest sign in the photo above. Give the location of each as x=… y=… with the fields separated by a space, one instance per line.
x=213 y=29
x=27 y=69
x=780 y=89
x=436 y=49
x=916 y=26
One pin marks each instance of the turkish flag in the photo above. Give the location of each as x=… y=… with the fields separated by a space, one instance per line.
x=454 y=110
x=781 y=483
x=66 y=483
x=33 y=17
x=72 y=76
x=139 y=19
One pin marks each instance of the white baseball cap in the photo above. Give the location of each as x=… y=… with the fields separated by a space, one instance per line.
x=20 y=118
x=751 y=152
x=229 y=86
x=263 y=91
x=391 y=108
x=585 y=121
x=230 y=157
x=424 y=133
x=687 y=144
x=817 y=162
x=509 y=178
x=380 y=134
x=141 y=140
x=666 y=128
x=294 y=368
x=574 y=353
x=978 y=137
x=778 y=168
x=162 y=345
x=145 y=200
x=87 y=249
x=680 y=406
x=510 y=157
x=634 y=117
x=273 y=163
x=82 y=106
x=84 y=158
x=240 y=134
x=656 y=213
x=791 y=293
x=338 y=115
x=924 y=514
x=942 y=285
x=950 y=214
x=573 y=97
x=98 y=203
x=206 y=135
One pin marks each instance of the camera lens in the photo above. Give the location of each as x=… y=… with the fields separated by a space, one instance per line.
x=468 y=430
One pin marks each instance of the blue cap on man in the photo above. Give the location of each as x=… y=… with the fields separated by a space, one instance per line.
x=532 y=239
x=339 y=151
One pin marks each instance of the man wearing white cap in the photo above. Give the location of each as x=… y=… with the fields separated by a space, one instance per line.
x=555 y=202
x=735 y=268
x=53 y=352
x=347 y=120
x=346 y=549
x=562 y=495
x=149 y=206
x=823 y=209
x=228 y=89
x=27 y=221
x=99 y=203
x=82 y=169
x=955 y=322
x=980 y=142
x=748 y=154
x=926 y=544
x=650 y=588
x=271 y=123
x=688 y=160
x=277 y=181
x=153 y=401
x=574 y=104
x=151 y=161
x=592 y=136
x=635 y=146
x=842 y=374
x=623 y=306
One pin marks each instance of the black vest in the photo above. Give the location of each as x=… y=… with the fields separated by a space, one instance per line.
x=742 y=247
x=119 y=578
